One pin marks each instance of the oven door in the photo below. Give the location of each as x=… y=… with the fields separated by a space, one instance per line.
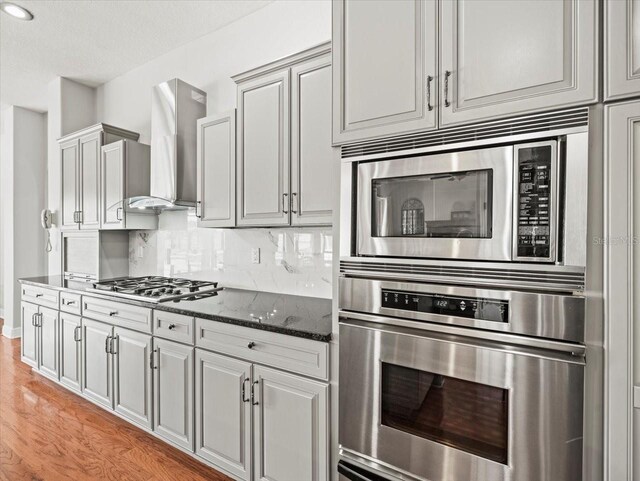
x=448 y=408
x=456 y=206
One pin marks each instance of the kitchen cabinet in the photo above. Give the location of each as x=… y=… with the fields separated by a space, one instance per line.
x=311 y=151
x=70 y=350
x=291 y=439
x=132 y=381
x=80 y=174
x=622 y=204
x=97 y=382
x=223 y=412
x=502 y=58
x=125 y=172
x=384 y=77
x=216 y=170
x=173 y=392
x=622 y=44
x=40 y=338
x=283 y=140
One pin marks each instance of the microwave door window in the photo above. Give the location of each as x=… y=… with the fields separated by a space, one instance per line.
x=446 y=205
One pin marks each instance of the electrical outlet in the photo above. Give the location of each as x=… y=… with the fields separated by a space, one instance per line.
x=255 y=255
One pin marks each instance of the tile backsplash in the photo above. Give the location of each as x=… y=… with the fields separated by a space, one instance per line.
x=292 y=260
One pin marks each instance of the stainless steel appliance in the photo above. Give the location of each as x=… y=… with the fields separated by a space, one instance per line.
x=463 y=298
x=157 y=289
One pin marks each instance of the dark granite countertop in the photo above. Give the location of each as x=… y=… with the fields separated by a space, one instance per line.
x=299 y=316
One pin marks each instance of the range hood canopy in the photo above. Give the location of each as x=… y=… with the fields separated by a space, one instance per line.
x=176 y=107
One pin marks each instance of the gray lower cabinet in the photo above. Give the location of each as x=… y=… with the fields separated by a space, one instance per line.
x=132 y=378
x=173 y=392
x=291 y=435
x=622 y=44
x=70 y=350
x=29 y=344
x=223 y=412
x=384 y=76
x=97 y=367
x=40 y=339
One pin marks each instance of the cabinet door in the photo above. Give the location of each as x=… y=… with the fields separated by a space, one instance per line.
x=500 y=58
x=70 y=350
x=290 y=427
x=132 y=389
x=173 y=392
x=89 y=181
x=217 y=170
x=223 y=412
x=29 y=341
x=384 y=67
x=97 y=362
x=112 y=190
x=311 y=152
x=69 y=185
x=263 y=150
x=622 y=38
x=622 y=191
x=48 y=350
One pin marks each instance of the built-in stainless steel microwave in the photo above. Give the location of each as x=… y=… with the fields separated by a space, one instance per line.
x=502 y=203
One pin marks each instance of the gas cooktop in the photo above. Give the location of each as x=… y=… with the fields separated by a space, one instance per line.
x=157 y=288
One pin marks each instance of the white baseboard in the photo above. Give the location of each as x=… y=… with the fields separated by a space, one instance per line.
x=11 y=333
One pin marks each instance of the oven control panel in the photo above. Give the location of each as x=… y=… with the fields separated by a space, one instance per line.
x=535 y=176
x=471 y=307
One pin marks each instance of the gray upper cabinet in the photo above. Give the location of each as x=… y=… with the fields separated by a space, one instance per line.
x=384 y=75
x=284 y=142
x=263 y=150
x=503 y=58
x=223 y=412
x=125 y=172
x=311 y=151
x=132 y=383
x=70 y=350
x=80 y=189
x=216 y=189
x=173 y=392
x=622 y=49
x=291 y=427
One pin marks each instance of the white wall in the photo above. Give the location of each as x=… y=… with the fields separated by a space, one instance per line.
x=301 y=263
x=24 y=180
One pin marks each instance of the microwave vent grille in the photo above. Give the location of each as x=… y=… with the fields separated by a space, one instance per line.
x=547 y=280
x=529 y=124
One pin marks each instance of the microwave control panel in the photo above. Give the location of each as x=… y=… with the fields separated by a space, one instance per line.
x=535 y=171
x=471 y=307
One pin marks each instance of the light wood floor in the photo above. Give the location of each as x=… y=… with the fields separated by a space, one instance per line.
x=48 y=433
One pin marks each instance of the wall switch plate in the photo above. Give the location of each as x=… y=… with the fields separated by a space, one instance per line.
x=255 y=255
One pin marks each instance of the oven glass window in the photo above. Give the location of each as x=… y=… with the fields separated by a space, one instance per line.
x=452 y=204
x=462 y=414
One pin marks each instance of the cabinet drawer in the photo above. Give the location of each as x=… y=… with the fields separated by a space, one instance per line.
x=117 y=313
x=40 y=295
x=71 y=303
x=290 y=353
x=174 y=327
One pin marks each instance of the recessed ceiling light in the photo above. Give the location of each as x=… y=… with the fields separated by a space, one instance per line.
x=16 y=11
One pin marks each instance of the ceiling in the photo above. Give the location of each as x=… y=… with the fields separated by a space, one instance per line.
x=94 y=41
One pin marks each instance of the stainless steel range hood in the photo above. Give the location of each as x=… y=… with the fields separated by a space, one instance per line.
x=175 y=108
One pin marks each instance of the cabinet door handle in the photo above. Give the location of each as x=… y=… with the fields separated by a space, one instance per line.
x=284 y=203
x=75 y=216
x=79 y=217
x=253 y=394
x=39 y=319
x=151 y=359
x=76 y=335
x=244 y=389
x=33 y=319
x=429 y=106
x=118 y=216
x=294 y=200
x=114 y=341
x=199 y=203
x=106 y=345
x=447 y=74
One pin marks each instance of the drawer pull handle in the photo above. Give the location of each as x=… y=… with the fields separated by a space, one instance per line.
x=172 y=327
x=70 y=303
x=251 y=345
x=39 y=295
x=113 y=313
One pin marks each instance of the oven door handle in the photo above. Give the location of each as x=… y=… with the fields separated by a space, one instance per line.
x=353 y=473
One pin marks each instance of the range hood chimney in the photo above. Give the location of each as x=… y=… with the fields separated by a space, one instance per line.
x=175 y=108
